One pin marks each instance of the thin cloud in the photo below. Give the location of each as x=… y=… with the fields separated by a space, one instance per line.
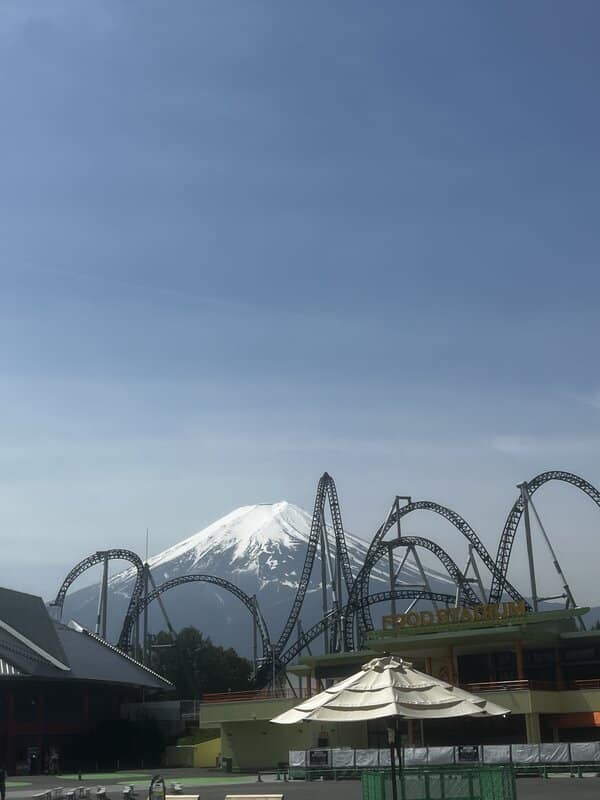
x=523 y=445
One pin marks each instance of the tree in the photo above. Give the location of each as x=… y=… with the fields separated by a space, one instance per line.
x=195 y=665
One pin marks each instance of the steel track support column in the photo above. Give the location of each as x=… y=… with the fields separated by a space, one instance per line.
x=104 y=597
x=136 y=637
x=392 y=573
x=171 y=629
x=340 y=600
x=557 y=567
x=525 y=497
x=145 y=623
x=254 y=638
x=324 y=590
x=472 y=564
x=424 y=577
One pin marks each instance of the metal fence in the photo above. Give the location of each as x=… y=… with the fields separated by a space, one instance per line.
x=302 y=763
x=452 y=783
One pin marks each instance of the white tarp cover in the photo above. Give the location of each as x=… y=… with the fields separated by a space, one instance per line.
x=389 y=687
x=440 y=755
x=414 y=756
x=342 y=757
x=297 y=758
x=384 y=758
x=554 y=752
x=525 y=753
x=585 y=751
x=496 y=753
x=366 y=758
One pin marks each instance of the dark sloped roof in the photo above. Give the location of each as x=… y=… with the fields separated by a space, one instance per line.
x=37 y=647
x=28 y=615
x=26 y=660
x=93 y=659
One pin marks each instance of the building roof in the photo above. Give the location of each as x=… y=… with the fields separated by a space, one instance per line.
x=27 y=615
x=32 y=645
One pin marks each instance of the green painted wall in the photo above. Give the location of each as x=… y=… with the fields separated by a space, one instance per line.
x=244 y=711
x=262 y=745
x=253 y=743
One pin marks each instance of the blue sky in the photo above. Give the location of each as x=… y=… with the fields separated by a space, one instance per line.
x=245 y=242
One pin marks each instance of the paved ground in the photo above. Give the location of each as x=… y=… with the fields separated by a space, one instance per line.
x=212 y=785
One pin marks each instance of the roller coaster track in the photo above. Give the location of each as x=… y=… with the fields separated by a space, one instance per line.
x=317 y=630
x=98 y=558
x=359 y=601
x=248 y=601
x=499 y=581
x=361 y=584
x=325 y=491
x=449 y=564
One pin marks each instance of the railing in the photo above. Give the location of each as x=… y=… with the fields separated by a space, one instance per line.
x=509 y=686
x=584 y=683
x=260 y=694
x=476 y=688
x=540 y=686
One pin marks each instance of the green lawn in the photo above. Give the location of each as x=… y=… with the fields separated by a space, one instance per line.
x=17 y=784
x=199 y=781
x=117 y=777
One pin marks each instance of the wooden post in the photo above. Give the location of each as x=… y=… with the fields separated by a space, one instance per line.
x=428 y=666
x=410 y=734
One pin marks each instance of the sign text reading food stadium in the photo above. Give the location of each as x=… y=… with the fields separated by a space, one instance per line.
x=494 y=612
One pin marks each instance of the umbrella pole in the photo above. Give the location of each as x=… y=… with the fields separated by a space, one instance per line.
x=398 y=738
x=391 y=731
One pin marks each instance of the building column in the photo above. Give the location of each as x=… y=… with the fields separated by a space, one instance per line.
x=451 y=669
x=11 y=756
x=520 y=663
x=86 y=710
x=532 y=728
x=41 y=722
x=410 y=734
x=558 y=676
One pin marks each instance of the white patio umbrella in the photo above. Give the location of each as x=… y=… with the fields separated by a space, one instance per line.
x=390 y=688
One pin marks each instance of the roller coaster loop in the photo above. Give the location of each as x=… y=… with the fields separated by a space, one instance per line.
x=499 y=581
x=248 y=601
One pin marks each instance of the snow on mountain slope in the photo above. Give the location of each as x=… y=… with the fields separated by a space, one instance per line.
x=261 y=549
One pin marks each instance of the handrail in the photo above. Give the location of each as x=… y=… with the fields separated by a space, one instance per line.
x=584 y=683
x=503 y=686
x=259 y=694
x=476 y=688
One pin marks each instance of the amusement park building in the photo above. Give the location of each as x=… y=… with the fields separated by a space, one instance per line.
x=542 y=666
x=57 y=684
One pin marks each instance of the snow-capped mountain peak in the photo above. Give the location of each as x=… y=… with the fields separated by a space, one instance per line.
x=260 y=548
x=245 y=529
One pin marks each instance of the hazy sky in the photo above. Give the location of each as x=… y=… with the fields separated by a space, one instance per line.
x=245 y=242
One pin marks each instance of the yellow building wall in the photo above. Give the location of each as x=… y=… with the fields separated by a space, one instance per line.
x=205 y=754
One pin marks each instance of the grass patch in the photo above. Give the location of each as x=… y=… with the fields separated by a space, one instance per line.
x=118 y=777
x=199 y=781
x=16 y=784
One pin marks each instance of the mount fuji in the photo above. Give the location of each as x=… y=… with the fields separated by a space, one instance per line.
x=261 y=549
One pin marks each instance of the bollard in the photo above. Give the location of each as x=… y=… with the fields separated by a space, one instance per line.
x=258 y=778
